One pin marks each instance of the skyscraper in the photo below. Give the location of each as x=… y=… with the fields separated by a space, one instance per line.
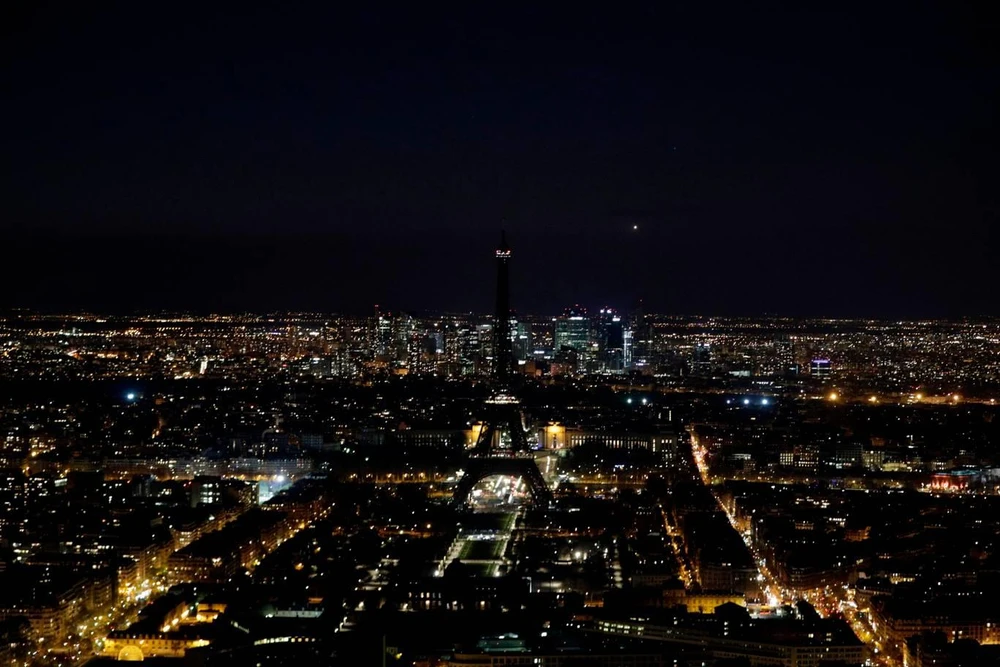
x=522 y=341
x=610 y=334
x=640 y=350
x=572 y=336
x=821 y=369
x=701 y=359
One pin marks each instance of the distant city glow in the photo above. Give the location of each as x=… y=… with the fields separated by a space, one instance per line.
x=317 y=451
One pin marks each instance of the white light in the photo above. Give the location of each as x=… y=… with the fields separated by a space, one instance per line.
x=746 y=401
x=763 y=401
x=130 y=396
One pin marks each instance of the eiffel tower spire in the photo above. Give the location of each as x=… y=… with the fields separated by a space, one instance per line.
x=503 y=352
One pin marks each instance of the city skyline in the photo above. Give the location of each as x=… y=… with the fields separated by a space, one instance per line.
x=589 y=489
x=629 y=335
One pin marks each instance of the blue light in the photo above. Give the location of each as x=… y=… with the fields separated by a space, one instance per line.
x=764 y=401
x=130 y=396
x=629 y=401
x=746 y=401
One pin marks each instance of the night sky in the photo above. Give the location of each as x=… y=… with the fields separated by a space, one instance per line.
x=837 y=160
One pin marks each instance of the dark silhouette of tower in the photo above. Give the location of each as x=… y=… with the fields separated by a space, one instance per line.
x=503 y=352
x=492 y=454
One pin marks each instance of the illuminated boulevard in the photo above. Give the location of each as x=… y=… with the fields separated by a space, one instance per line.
x=825 y=600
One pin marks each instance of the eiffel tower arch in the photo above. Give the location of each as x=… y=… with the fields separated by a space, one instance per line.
x=492 y=455
x=478 y=469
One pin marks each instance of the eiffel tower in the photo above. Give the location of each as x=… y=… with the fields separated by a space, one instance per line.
x=493 y=454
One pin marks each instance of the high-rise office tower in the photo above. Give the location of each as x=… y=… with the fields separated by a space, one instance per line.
x=821 y=369
x=382 y=334
x=701 y=359
x=572 y=336
x=641 y=348
x=628 y=347
x=609 y=331
x=522 y=342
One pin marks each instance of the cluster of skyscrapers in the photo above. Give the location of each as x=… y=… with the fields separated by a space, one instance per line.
x=574 y=342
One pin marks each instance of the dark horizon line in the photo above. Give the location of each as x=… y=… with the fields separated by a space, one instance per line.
x=19 y=311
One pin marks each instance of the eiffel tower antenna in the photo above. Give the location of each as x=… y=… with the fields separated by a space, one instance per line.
x=503 y=351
